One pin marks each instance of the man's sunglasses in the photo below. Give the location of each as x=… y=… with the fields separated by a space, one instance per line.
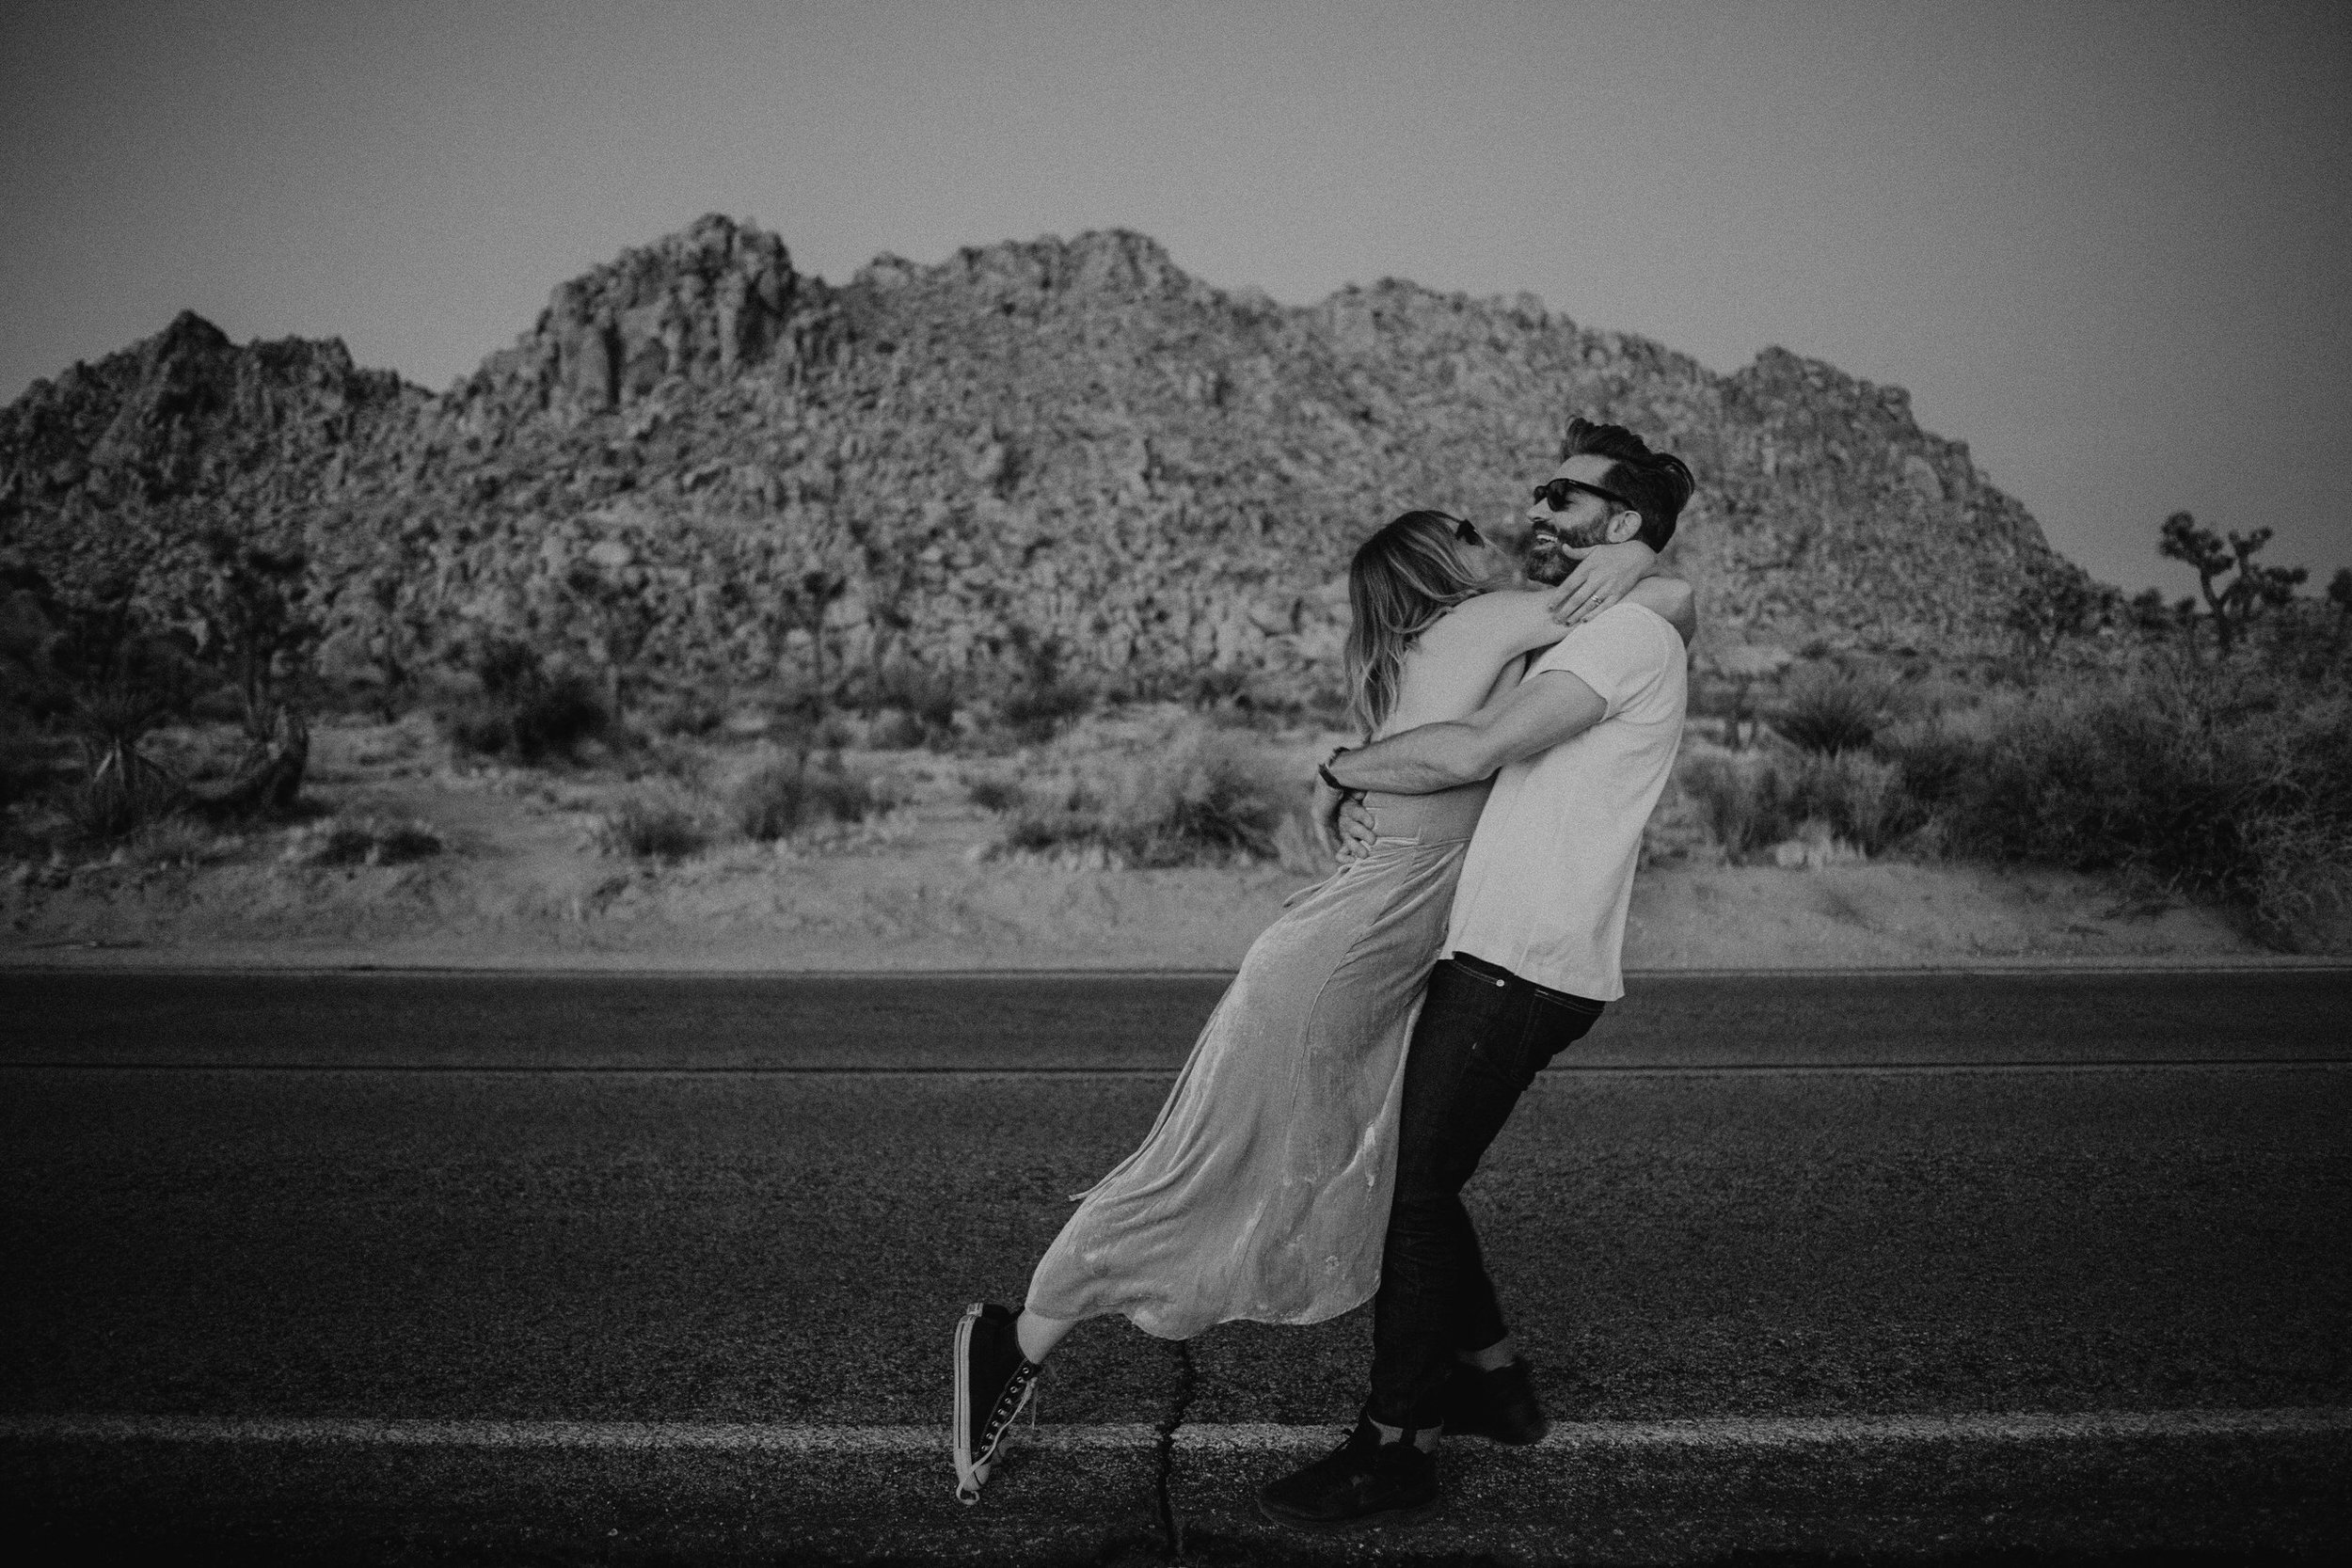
x=1555 y=494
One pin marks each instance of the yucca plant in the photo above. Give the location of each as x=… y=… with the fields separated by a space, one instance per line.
x=122 y=788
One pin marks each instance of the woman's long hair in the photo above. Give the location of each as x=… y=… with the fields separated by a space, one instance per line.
x=1402 y=579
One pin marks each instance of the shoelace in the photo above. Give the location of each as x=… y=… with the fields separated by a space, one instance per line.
x=993 y=1430
x=1007 y=1402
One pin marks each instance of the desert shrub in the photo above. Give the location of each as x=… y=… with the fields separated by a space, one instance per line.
x=652 y=825
x=341 y=844
x=179 y=839
x=1860 y=796
x=556 y=714
x=781 y=799
x=925 y=696
x=2209 y=780
x=119 y=795
x=1933 y=754
x=1731 y=798
x=1210 y=799
x=505 y=667
x=682 y=716
x=529 y=719
x=485 y=728
x=24 y=760
x=896 y=731
x=1830 y=710
x=1035 y=710
x=995 y=794
x=367 y=842
x=1752 y=800
x=1212 y=688
x=1219 y=802
x=685 y=768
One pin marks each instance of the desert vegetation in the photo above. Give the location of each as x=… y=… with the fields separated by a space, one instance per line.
x=780 y=799
x=2194 y=764
x=89 y=690
x=1202 y=794
x=2191 y=763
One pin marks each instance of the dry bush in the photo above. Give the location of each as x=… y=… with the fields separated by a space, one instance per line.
x=783 y=799
x=119 y=795
x=680 y=715
x=1210 y=798
x=896 y=731
x=653 y=825
x=680 y=765
x=921 y=704
x=2220 y=783
x=530 y=719
x=365 y=842
x=1037 y=710
x=1827 y=710
x=27 y=760
x=2223 y=783
x=180 y=840
x=1751 y=802
x=997 y=795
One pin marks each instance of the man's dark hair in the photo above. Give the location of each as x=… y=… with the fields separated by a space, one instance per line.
x=1658 y=484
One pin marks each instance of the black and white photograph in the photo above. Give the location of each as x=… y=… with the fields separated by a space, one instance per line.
x=1087 y=783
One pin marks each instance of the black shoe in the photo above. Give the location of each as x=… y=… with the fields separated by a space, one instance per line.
x=1499 y=1405
x=1358 y=1482
x=993 y=1381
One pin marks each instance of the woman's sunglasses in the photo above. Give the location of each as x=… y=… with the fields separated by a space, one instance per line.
x=1463 y=529
x=1555 y=494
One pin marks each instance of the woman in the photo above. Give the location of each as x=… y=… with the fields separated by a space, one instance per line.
x=1261 y=1192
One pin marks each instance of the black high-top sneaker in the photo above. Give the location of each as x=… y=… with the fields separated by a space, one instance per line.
x=1499 y=1405
x=994 y=1383
x=1356 y=1484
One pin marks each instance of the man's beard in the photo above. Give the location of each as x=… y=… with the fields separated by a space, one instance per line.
x=1549 y=566
x=1549 y=563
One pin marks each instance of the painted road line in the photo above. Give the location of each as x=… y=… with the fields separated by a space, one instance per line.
x=738 y=1438
x=1717 y=1433
x=1085 y=1074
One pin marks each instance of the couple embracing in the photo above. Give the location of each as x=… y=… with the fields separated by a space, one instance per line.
x=1312 y=1152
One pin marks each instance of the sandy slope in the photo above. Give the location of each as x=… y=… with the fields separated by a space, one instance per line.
x=523 y=884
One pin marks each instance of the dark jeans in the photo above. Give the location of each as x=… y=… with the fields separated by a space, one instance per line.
x=1483 y=1036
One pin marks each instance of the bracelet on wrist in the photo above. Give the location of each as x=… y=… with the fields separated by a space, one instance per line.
x=1323 y=769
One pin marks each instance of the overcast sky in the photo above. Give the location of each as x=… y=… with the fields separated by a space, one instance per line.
x=2104 y=243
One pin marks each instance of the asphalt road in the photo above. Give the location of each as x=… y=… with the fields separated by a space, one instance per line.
x=737 y=1204
x=414 y=1021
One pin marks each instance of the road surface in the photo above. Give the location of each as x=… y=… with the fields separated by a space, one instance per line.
x=466 y=1268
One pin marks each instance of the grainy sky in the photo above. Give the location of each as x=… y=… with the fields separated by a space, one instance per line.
x=2106 y=244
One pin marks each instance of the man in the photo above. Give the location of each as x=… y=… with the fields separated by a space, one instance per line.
x=1584 y=746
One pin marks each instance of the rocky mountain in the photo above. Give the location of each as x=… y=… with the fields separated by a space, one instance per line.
x=1057 y=452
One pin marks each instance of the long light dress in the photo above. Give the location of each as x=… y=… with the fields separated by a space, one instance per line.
x=1261 y=1192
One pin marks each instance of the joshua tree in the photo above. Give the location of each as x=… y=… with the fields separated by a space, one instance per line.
x=399 y=677
x=800 y=605
x=257 y=626
x=2234 y=605
x=890 y=579
x=624 y=622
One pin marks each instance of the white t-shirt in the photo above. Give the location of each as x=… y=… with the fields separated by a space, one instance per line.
x=1549 y=871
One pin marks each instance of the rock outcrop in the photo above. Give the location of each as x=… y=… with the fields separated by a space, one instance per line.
x=1058 y=452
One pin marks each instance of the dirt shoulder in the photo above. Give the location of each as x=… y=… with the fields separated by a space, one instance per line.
x=526 y=881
